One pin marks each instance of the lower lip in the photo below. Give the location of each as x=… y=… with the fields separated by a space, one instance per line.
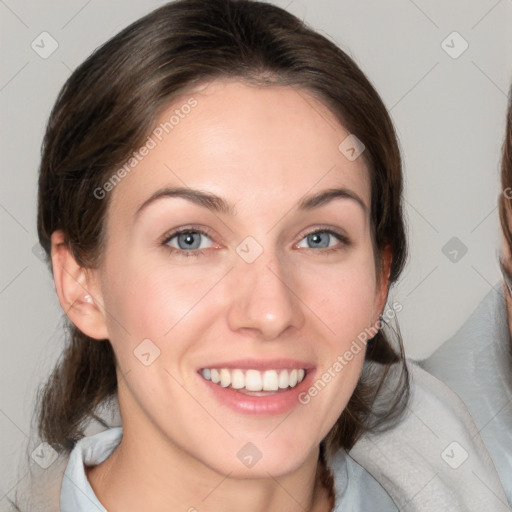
x=278 y=403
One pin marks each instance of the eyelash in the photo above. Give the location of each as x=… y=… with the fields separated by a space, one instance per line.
x=344 y=240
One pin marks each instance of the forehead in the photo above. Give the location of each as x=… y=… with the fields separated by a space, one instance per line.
x=270 y=145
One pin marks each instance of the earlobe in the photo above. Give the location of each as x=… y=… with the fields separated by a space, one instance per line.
x=77 y=289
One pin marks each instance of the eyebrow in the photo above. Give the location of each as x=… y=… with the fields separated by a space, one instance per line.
x=219 y=205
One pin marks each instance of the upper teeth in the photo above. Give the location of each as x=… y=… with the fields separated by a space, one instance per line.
x=254 y=380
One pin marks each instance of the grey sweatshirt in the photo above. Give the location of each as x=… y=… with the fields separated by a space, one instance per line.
x=477 y=364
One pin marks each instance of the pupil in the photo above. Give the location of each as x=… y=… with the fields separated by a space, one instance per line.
x=316 y=238
x=187 y=239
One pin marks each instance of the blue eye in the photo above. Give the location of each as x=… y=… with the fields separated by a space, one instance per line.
x=188 y=241
x=322 y=238
x=319 y=239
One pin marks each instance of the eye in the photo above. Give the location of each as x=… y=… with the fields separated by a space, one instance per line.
x=323 y=238
x=186 y=241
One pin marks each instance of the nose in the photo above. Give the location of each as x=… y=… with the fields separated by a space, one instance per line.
x=263 y=299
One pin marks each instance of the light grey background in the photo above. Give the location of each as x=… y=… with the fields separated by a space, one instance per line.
x=449 y=114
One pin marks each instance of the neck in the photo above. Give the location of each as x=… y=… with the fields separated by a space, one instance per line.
x=143 y=476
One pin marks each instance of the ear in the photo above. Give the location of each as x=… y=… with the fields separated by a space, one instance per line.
x=78 y=290
x=383 y=280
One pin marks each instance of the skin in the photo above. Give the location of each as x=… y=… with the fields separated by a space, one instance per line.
x=262 y=149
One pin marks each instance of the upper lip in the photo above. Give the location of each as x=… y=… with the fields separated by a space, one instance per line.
x=261 y=364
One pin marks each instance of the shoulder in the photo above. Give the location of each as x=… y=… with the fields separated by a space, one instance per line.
x=356 y=490
x=478 y=359
x=433 y=458
x=39 y=488
x=483 y=338
x=476 y=363
x=41 y=476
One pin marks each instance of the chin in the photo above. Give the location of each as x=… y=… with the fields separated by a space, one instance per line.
x=259 y=459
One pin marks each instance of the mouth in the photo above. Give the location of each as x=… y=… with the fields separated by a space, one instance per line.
x=254 y=382
x=258 y=387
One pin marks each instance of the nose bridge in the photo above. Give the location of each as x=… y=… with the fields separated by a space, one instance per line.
x=263 y=296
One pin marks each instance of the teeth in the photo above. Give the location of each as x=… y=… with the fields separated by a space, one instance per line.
x=284 y=381
x=237 y=379
x=225 y=378
x=270 y=381
x=254 y=380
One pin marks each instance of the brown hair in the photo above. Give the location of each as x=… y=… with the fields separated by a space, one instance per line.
x=505 y=208
x=105 y=111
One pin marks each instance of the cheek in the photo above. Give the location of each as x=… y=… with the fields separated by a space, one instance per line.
x=152 y=321
x=167 y=304
x=343 y=297
x=345 y=306
x=344 y=302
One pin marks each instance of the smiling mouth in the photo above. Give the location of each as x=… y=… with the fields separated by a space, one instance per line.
x=251 y=381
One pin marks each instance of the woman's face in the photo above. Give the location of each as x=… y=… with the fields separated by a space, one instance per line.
x=256 y=300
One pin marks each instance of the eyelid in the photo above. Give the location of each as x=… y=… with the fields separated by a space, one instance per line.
x=183 y=229
x=325 y=229
x=208 y=232
x=343 y=238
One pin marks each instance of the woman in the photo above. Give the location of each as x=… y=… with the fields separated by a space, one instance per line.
x=477 y=361
x=220 y=200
